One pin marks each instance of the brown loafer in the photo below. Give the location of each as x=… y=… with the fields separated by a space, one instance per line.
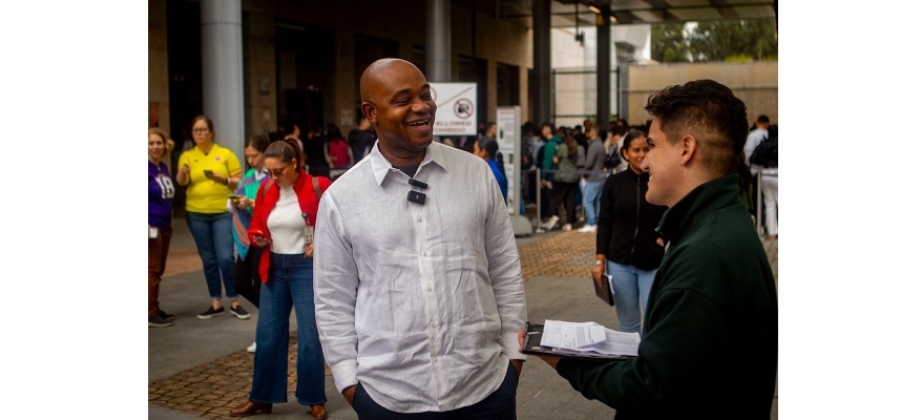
x=251 y=408
x=318 y=412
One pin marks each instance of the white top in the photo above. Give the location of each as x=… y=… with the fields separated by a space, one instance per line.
x=754 y=138
x=420 y=303
x=286 y=224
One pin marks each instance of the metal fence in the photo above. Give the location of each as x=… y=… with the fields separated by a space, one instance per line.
x=574 y=91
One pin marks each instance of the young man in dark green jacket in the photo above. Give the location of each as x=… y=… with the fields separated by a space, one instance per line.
x=709 y=348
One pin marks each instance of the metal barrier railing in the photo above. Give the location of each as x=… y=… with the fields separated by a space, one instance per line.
x=539 y=188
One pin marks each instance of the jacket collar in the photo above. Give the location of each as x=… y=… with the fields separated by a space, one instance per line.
x=716 y=194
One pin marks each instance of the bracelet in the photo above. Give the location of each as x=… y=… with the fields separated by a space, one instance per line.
x=598 y=262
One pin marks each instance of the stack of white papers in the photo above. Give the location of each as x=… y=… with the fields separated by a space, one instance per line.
x=587 y=338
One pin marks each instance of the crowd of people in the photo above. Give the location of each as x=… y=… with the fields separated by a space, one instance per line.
x=419 y=310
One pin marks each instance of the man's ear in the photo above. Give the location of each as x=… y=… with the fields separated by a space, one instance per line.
x=690 y=149
x=370 y=111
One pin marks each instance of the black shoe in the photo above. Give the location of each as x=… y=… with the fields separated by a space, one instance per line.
x=166 y=316
x=239 y=312
x=211 y=313
x=158 y=321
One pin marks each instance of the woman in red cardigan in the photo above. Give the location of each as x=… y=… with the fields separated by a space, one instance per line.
x=282 y=222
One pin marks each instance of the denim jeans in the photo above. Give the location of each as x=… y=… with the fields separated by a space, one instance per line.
x=630 y=288
x=499 y=405
x=592 y=202
x=215 y=246
x=290 y=284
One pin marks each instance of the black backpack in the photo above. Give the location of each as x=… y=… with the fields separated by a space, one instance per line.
x=767 y=152
x=526 y=155
x=613 y=158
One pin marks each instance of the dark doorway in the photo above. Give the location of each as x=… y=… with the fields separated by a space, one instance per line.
x=473 y=70
x=305 y=63
x=508 y=87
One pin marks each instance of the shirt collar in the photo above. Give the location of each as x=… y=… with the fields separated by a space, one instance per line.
x=381 y=166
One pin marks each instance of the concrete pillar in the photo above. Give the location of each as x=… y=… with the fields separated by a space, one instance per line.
x=542 y=65
x=603 y=68
x=158 y=66
x=222 y=71
x=262 y=100
x=623 y=92
x=437 y=49
x=345 y=95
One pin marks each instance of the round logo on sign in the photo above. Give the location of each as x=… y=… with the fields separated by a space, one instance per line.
x=463 y=108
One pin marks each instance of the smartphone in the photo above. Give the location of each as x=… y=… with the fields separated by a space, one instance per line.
x=234 y=199
x=208 y=172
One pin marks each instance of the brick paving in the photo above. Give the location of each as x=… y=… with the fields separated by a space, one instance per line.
x=211 y=390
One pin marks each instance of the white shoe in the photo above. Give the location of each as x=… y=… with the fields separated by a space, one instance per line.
x=588 y=229
x=252 y=347
x=566 y=227
x=551 y=223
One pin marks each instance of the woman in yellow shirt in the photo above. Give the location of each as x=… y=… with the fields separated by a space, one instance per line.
x=211 y=173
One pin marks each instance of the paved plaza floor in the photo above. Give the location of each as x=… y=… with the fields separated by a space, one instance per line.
x=200 y=368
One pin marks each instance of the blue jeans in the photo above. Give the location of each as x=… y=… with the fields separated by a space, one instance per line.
x=499 y=405
x=592 y=202
x=630 y=287
x=290 y=284
x=214 y=239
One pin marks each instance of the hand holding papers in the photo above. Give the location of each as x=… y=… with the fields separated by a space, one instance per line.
x=583 y=340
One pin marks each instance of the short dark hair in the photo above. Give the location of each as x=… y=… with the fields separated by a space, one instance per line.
x=709 y=111
x=489 y=145
x=763 y=119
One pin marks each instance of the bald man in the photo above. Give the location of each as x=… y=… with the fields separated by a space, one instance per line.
x=418 y=285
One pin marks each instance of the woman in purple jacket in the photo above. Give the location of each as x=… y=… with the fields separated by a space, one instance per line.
x=160 y=191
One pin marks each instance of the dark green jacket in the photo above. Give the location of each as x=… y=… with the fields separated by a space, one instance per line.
x=549 y=150
x=709 y=347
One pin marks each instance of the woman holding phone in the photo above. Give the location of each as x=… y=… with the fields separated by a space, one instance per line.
x=628 y=248
x=282 y=224
x=211 y=172
x=241 y=203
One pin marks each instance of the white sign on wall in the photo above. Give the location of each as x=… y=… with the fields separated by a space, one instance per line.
x=456 y=114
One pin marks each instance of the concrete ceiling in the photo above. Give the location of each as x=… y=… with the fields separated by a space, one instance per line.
x=565 y=12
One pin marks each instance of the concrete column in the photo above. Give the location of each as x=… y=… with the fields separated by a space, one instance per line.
x=437 y=49
x=222 y=71
x=603 y=68
x=542 y=65
x=623 y=92
x=345 y=95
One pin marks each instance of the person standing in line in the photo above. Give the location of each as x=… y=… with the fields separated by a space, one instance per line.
x=565 y=182
x=769 y=176
x=211 y=172
x=709 y=348
x=545 y=158
x=282 y=224
x=487 y=148
x=419 y=294
x=594 y=182
x=361 y=139
x=628 y=248
x=247 y=279
x=160 y=192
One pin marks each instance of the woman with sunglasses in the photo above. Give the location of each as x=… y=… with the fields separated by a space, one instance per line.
x=211 y=172
x=282 y=224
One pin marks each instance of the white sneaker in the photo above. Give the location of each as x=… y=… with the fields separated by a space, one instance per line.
x=588 y=229
x=566 y=227
x=252 y=347
x=551 y=223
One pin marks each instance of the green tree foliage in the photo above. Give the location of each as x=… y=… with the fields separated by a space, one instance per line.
x=725 y=40
x=668 y=43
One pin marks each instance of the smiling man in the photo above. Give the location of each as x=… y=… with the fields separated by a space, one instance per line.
x=709 y=348
x=418 y=285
